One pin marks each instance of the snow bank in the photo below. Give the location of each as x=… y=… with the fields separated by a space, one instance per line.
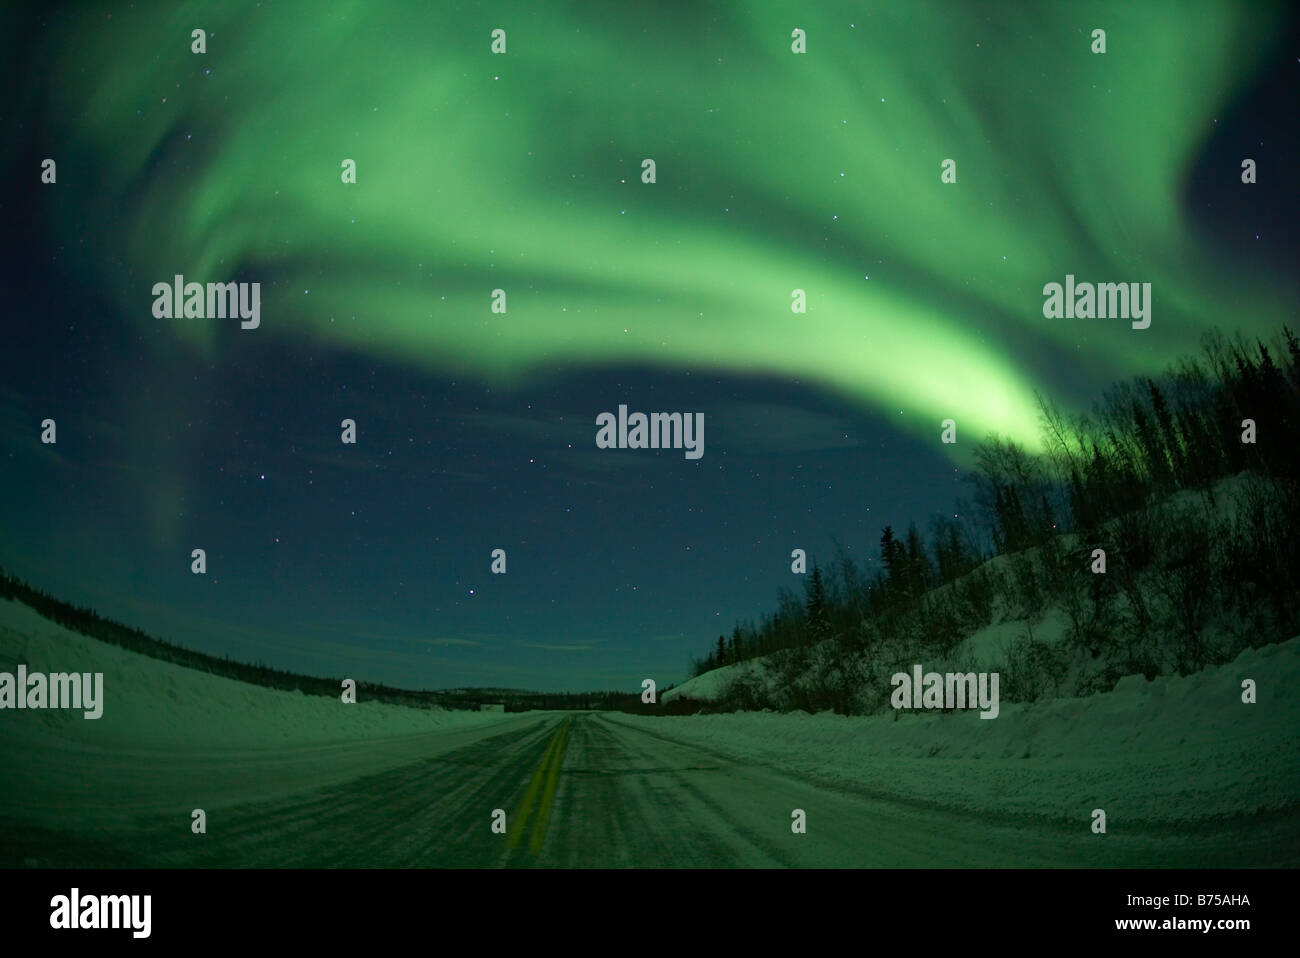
x=151 y=703
x=173 y=739
x=1172 y=749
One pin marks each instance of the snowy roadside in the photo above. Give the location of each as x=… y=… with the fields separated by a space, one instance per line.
x=155 y=703
x=1174 y=749
x=171 y=739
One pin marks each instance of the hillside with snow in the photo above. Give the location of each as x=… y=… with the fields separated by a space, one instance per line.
x=1175 y=749
x=1042 y=619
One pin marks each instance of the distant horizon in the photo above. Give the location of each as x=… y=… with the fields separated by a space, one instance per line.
x=487 y=689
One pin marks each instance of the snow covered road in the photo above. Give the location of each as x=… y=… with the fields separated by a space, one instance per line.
x=578 y=790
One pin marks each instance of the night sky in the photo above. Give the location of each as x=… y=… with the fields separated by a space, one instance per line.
x=521 y=171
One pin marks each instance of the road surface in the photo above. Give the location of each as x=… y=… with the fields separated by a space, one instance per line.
x=586 y=790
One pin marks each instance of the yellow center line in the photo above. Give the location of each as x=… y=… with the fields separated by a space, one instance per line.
x=544 y=813
x=520 y=821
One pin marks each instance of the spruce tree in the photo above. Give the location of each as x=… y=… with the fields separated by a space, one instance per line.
x=819 y=621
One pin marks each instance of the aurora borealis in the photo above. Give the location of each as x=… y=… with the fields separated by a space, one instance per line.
x=522 y=172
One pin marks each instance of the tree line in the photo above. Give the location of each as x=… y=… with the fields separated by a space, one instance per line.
x=1110 y=478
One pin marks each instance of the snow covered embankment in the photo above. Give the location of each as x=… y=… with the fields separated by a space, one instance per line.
x=1172 y=749
x=171 y=739
x=148 y=702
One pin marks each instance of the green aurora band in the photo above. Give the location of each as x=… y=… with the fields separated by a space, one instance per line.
x=775 y=171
